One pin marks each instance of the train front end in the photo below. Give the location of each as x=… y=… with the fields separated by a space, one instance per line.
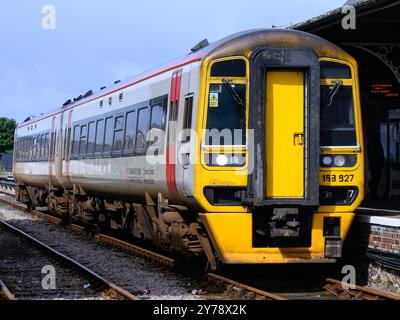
x=280 y=154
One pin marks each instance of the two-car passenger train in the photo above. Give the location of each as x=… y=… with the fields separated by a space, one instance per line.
x=248 y=150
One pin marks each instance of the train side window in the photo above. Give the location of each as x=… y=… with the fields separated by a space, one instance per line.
x=75 y=143
x=28 y=149
x=47 y=146
x=99 y=136
x=36 y=154
x=142 y=128
x=91 y=138
x=43 y=147
x=187 y=118
x=130 y=129
x=118 y=133
x=26 y=153
x=108 y=137
x=19 y=149
x=82 y=141
x=158 y=114
x=41 y=150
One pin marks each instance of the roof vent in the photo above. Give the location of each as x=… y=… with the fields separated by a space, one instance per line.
x=67 y=102
x=200 y=45
x=87 y=94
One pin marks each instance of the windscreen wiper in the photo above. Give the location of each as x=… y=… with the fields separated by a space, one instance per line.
x=233 y=92
x=328 y=100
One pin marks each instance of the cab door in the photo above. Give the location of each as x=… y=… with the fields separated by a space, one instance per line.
x=284 y=116
x=284 y=134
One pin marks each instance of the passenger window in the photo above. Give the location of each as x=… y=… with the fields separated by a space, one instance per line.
x=82 y=141
x=31 y=150
x=142 y=128
x=47 y=146
x=158 y=116
x=108 y=138
x=118 y=133
x=129 y=131
x=91 y=138
x=99 y=136
x=75 y=142
x=187 y=118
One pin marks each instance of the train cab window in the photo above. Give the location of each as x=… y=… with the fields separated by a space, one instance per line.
x=75 y=143
x=130 y=128
x=226 y=115
x=118 y=133
x=91 y=138
x=337 y=116
x=142 y=128
x=108 y=137
x=82 y=141
x=187 y=118
x=333 y=70
x=99 y=136
x=229 y=68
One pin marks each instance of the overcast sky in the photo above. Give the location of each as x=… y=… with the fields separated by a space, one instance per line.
x=97 y=42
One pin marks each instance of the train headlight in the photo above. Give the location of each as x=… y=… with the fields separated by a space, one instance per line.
x=327 y=161
x=225 y=160
x=339 y=161
x=222 y=160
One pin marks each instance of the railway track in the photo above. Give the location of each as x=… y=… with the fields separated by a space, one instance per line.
x=331 y=290
x=22 y=262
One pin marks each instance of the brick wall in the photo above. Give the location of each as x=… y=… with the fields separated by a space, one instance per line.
x=383 y=238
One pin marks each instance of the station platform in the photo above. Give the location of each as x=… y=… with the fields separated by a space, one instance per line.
x=377 y=230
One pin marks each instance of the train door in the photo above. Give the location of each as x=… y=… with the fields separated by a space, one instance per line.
x=284 y=134
x=285 y=93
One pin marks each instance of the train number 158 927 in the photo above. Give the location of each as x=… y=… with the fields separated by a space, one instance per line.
x=337 y=177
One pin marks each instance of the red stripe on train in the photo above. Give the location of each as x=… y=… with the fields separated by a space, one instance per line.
x=170 y=165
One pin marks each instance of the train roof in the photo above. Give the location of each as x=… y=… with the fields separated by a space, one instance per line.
x=242 y=43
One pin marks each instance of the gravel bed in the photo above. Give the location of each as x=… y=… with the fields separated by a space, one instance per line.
x=131 y=272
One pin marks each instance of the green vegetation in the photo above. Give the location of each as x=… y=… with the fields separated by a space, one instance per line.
x=7 y=128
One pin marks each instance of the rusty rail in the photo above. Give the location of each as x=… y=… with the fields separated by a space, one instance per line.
x=99 y=236
x=244 y=289
x=343 y=290
x=120 y=291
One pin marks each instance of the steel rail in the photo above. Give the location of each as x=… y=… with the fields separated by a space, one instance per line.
x=232 y=284
x=371 y=293
x=5 y=292
x=98 y=236
x=122 y=292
